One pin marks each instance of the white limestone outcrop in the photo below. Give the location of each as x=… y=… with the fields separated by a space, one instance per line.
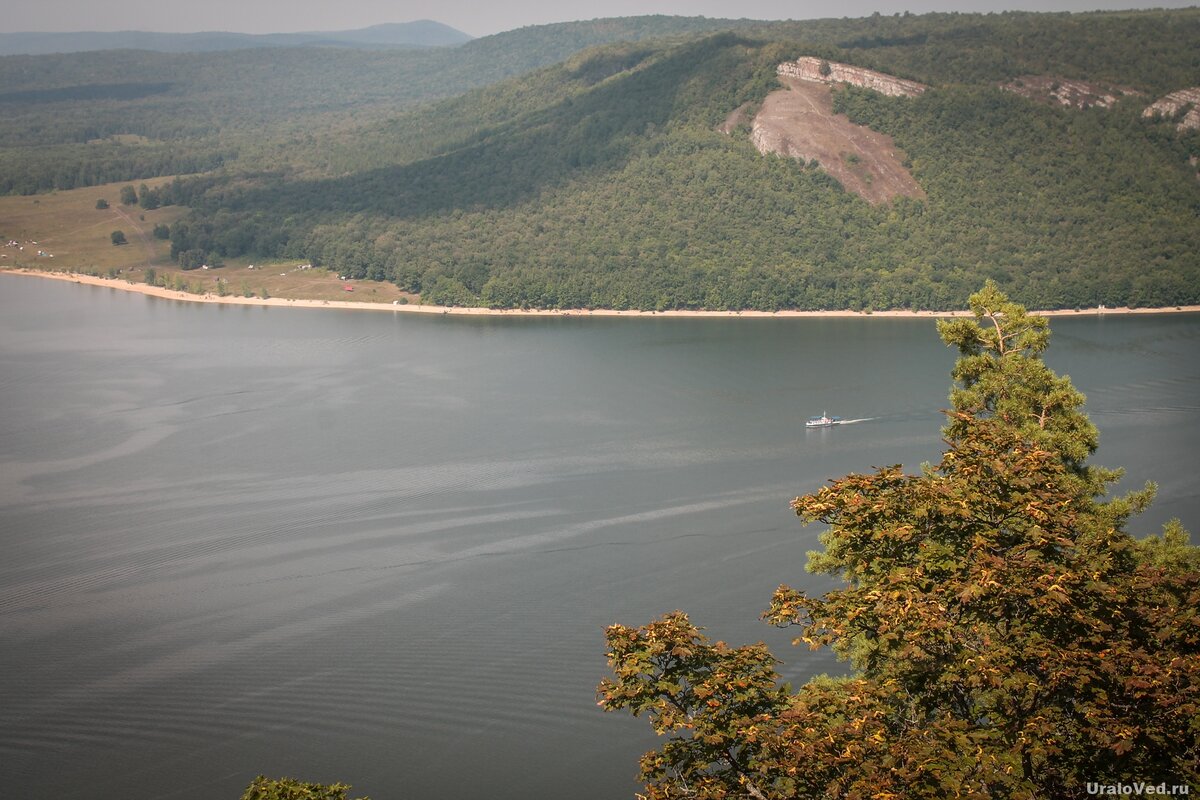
x=809 y=68
x=1176 y=102
x=1067 y=92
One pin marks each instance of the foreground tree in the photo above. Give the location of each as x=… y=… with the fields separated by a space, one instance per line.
x=1008 y=638
x=263 y=788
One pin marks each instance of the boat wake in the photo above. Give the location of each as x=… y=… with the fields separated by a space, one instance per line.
x=826 y=421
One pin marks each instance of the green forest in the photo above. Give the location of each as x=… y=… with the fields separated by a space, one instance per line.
x=580 y=165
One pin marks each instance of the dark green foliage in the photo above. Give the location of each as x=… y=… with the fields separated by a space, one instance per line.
x=263 y=788
x=147 y=199
x=128 y=196
x=101 y=204
x=1153 y=53
x=192 y=259
x=28 y=170
x=1063 y=208
x=1000 y=374
x=118 y=238
x=1172 y=550
x=162 y=231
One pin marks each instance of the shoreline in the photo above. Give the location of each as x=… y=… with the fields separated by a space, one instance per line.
x=122 y=284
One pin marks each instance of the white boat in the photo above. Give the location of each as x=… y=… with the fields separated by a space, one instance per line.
x=823 y=421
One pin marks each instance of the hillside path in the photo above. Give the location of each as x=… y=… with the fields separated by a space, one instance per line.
x=147 y=245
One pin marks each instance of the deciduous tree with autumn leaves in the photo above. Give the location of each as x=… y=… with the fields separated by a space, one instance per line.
x=1008 y=638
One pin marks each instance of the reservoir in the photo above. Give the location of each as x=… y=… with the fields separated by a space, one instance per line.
x=382 y=548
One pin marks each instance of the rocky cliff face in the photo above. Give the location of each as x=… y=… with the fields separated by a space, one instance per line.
x=798 y=122
x=808 y=68
x=1176 y=102
x=1066 y=92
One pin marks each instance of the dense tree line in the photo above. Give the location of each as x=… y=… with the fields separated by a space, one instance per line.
x=33 y=170
x=1151 y=53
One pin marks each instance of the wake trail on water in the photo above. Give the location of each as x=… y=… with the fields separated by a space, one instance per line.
x=852 y=421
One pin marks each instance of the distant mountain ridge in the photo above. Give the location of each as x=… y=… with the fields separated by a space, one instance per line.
x=419 y=33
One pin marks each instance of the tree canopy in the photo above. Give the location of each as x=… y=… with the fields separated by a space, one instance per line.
x=264 y=788
x=1007 y=637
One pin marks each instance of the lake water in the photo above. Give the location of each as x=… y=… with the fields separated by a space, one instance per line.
x=383 y=548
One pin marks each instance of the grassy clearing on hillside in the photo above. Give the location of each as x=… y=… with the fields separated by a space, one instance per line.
x=68 y=226
x=75 y=236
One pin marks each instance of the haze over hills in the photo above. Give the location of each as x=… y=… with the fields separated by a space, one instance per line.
x=420 y=33
x=66 y=120
x=630 y=174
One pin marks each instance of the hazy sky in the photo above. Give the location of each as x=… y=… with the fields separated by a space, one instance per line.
x=475 y=17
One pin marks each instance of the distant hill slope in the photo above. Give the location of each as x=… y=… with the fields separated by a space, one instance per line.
x=535 y=46
x=620 y=177
x=219 y=91
x=606 y=181
x=421 y=33
x=68 y=120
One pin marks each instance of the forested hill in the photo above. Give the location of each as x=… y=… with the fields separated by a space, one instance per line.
x=421 y=33
x=79 y=119
x=136 y=90
x=604 y=180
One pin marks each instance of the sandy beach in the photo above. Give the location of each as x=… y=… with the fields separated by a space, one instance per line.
x=283 y=302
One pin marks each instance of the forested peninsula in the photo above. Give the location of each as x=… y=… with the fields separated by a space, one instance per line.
x=620 y=164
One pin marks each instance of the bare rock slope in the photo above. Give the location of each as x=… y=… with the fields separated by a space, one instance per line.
x=798 y=121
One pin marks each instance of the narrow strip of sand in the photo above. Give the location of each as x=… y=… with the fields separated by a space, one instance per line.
x=283 y=302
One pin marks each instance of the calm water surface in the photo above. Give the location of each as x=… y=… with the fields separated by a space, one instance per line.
x=383 y=548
